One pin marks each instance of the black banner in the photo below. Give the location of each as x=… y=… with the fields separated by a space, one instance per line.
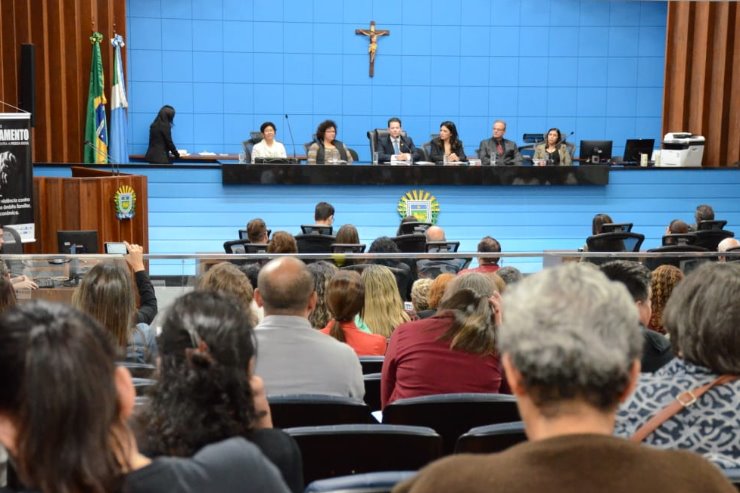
x=16 y=174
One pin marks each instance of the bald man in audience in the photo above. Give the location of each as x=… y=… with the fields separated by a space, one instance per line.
x=725 y=245
x=429 y=268
x=294 y=358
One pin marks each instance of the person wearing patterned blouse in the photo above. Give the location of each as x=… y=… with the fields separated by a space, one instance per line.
x=268 y=147
x=326 y=149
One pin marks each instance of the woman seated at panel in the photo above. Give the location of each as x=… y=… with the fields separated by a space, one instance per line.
x=64 y=408
x=702 y=317
x=553 y=150
x=345 y=298
x=326 y=149
x=107 y=294
x=207 y=391
x=453 y=351
x=447 y=147
x=161 y=149
x=268 y=147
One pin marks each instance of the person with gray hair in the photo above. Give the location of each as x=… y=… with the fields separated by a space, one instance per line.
x=570 y=357
x=293 y=357
x=702 y=317
x=453 y=351
x=510 y=275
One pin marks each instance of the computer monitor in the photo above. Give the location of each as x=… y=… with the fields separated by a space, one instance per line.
x=596 y=151
x=83 y=241
x=634 y=147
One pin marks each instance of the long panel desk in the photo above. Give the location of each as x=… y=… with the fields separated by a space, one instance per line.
x=290 y=174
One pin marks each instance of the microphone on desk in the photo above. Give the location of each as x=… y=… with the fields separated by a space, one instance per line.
x=114 y=166
x=290 y=132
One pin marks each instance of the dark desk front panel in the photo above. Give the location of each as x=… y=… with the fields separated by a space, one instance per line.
x=286 y=174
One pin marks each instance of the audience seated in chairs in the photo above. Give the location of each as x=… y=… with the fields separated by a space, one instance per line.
x=411 y=225
x=487 y=244
x=322 y=273
x=570 y=357
x=510 y=275
x=106 y=293
x=282 y=242
x=420 y=295
x=383 y=310
x=257 y=231
x=345 y=297
x=728 y=245
x=663 y=281
x=77 y=439
x=206 y=390
x=702 y=317
x=433 y=267
x=293 y=357
x=454 y=351
x=436 y=292
x=226 y=278
x=636 y=278
x=704 y=212
x=291 y=410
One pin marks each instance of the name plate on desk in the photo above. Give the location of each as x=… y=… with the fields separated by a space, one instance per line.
x=280 y=174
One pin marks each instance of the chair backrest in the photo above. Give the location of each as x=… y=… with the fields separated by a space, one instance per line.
x=236 y=246
x=710 y=239
x=412 y=227
x=353 y=153
x=243 y=234
x=12 y=241
x=571 y=148
x=371 y=364
x=680 y=262
x=372 y=390
x=615 y=242
x=451 y=415
x=374 y=137
x=347 y=247
x=413 y=243
x=371 y=482
x=316 y=229
x=290 y=410
x=330 y=451
x=717 y=224
x=491 y=438
x=616 y=227
x=442 y=246
x=313 y=243
x=679 y=239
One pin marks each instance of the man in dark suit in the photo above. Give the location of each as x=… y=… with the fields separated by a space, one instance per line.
x=395 y=144
x=497 y=150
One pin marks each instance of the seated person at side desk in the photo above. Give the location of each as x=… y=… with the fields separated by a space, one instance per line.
x=268 y=147
x=395 y=144
x=447 y=147
x=160 y=138
x=497 y=150
x=553 y=149
x=327 y=149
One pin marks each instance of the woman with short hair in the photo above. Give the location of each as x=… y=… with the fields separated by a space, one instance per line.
x=268 y=147
x=326 y=149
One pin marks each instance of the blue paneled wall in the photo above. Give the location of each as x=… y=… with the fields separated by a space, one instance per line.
x=594 y=67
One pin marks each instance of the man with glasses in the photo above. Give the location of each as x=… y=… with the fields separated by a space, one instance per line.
x=498 y=151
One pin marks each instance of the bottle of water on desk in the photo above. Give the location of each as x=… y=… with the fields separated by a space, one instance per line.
x=445 y=160
x=494 y=158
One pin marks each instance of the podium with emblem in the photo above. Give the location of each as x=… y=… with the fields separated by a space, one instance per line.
x=115 y=205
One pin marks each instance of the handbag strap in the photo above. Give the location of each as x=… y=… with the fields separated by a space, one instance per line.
x=682 y=400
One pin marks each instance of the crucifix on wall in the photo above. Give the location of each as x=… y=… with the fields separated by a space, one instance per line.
x=372 y=35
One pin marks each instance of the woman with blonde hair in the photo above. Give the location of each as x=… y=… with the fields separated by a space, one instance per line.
x=345 y=297
x=383 y=310
x=663 y=281
x=453 y=351
x=227 y=278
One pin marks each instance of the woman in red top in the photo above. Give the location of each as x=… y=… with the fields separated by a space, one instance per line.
x=453 y=351
x=345 y=297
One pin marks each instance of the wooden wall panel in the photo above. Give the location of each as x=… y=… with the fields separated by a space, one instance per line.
x=702 y=58
x=60 y=31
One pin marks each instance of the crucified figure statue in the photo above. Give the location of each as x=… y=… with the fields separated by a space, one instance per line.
x=372 y=34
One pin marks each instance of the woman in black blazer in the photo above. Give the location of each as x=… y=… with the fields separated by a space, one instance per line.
x=447 y=144
x=160 y=137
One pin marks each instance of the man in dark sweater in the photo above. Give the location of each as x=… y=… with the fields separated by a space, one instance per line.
x=570 y=346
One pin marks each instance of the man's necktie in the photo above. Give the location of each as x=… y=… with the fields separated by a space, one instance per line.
x=396 y=148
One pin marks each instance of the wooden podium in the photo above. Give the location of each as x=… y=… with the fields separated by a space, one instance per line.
x=85 y=201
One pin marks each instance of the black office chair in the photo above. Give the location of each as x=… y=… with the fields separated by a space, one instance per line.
x=491 y=438
x=371 y=482
x=314 y=243
x=353 y=153
x=371 y=364
x=710 y=239
x=716 y=225
x=413 y=243
x=679 y=239
x=616 y=227
x=12 y=241
x=684 y=263
x=347 y=247
x=412 y=227
x=372 y=391
x=330 y=451
x=527 y=152
x=317 y=229
x=236 y=246
x=442 y=246
x=615 y=242
x=451 y=415
x=290 y=410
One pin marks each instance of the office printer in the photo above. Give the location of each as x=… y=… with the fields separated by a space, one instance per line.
x=682 y=149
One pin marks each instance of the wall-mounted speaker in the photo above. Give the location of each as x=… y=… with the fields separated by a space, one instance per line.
x=27 y=81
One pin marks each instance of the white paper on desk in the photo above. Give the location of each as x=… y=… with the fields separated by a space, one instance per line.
x=182 y=152
x=206 y=153
x=423 y=163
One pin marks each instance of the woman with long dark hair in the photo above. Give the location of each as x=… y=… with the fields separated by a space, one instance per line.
x=64 y=407
x=447 y=145
x=207 y=391
x=161 y=149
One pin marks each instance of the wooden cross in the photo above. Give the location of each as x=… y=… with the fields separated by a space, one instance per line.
x=372 y=34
